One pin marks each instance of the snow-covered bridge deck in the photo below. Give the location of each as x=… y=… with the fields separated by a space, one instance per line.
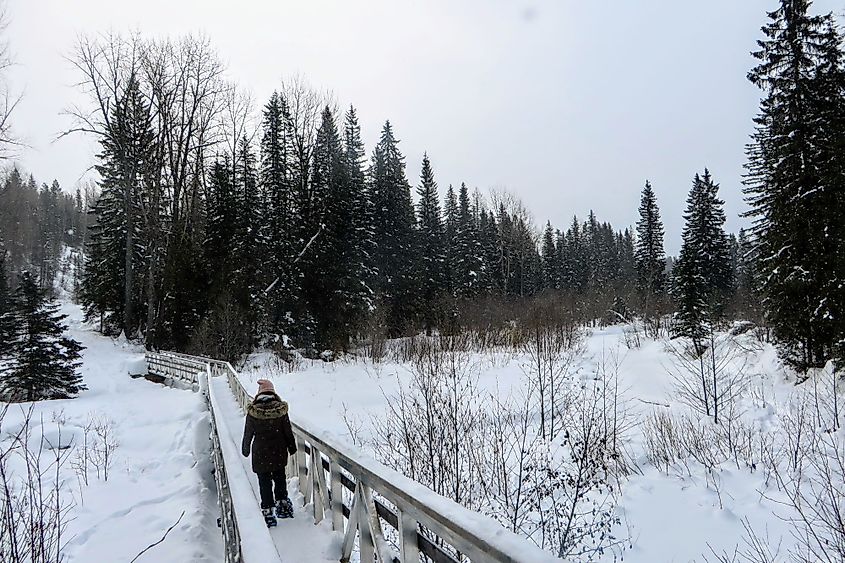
x=347 y=501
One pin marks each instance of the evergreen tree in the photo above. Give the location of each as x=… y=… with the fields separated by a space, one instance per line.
x=431 y=245
x=650 y=257
x=357 y=281
x=281 y=232
x=110 y=284
x=747 y=295
x=702 y=272
x=333 y=267
x=489 y=238
x=466 y=251
x=393 y=227
x=222 y=210
x=248 y=243
x=627 y=259
x=564 y=273
x=45 y=360
x=795 y=183
x=450 y=217
x=550 y=258
x=577 y=252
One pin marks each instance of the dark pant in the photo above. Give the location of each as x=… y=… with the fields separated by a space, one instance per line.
x=266 y=482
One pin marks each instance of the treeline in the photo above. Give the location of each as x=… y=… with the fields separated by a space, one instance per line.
x=35 y=223
x=211 y=236
x=214 y=235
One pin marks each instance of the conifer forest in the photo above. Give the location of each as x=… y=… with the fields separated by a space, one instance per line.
x=558 y=376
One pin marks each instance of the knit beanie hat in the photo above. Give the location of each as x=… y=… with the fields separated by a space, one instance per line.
x=265 y=386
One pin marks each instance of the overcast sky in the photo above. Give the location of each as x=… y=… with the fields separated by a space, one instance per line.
x=569 y=104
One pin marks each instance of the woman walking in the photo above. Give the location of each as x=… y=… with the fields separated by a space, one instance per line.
x=268 y=434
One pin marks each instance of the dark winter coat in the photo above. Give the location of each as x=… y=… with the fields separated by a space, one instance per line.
x=267 y=432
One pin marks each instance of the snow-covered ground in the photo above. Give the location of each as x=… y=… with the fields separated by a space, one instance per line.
x=161 y=466
x=684 y=514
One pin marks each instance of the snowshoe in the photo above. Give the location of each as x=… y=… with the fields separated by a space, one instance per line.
x=284 y=508
x=269 y=517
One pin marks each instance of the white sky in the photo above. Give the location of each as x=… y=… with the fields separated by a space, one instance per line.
x=569 y=104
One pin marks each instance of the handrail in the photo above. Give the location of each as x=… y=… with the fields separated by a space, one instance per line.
x=426 y=522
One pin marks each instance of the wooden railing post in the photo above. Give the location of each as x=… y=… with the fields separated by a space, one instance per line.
x=366 y=547
x=336 y=494
x=302 y=468
x=408 y=542
x=318 y=485
x=351 y=529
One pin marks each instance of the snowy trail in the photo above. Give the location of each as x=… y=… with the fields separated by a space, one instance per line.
x=295 y=540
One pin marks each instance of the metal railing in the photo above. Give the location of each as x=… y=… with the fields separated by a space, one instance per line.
x=424 y=522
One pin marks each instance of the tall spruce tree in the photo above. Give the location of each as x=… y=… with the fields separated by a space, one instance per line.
x=222 y=211
x=649 y=253
x=550 y=258
x=795 y=183
x=450 y=221
x=489 y=237
x=222 y=333
x=356 y=284
x=467 y=248
x=110 y=284
x=248 y=243
x=626 y=251
x=431 y=246
x=281 y=232
x=393 y=226
x=45 y=361
x=328 y=264
x=702 y=272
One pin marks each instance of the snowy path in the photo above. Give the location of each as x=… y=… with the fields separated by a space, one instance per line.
x=296 y=540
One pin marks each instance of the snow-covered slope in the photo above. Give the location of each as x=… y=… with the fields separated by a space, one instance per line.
x=161 y=466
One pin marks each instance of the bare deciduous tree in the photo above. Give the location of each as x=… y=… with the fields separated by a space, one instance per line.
x=8 y=99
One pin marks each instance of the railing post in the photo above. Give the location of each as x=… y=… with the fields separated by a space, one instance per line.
x=376 y=533
x=336 y=494
x=366 y=547
x=351 y=527
x=408 y=542
x=302 y=467
x=318 y=486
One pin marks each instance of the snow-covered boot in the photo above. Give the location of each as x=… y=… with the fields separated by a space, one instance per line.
x=269 y=517
x=284 y=508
